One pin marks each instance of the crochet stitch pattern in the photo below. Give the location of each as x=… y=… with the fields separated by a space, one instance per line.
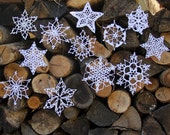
x=24 y=24
x=60 y=97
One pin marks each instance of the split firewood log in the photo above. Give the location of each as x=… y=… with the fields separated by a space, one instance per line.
x=98 y=111
x=45 y=121
x=11 y=68
x=165 y=78
x=163 y=117
x=80 y=4
x=105 y=92
x=42 y=81
x=102 y=131
x=165 y=59
x=101 y=50
x=11 y=120
x=61 y=66
x=10 y=1
x=119 y=101
x=9 y=52
x=27 y=130
x=149 y=124
x=163 y=94
x=153 y=86
x=83 y=97
x=130 y=119
x=2 y=91
x=130 y=132
x=5 y=36
x=80 y=126
x=71 y=113
x=43 y=69
x=146 y=102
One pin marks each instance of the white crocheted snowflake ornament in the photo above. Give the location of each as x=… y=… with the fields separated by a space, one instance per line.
x=86 y=17
x=154 y=46
x=99 y=74
x=114 y=35
x=138 y=20
x=24 y=24
x=133 y=73
x=54 y=33
x=60 y=97
x=82 y=46
x=33 y=58
x=16 y=88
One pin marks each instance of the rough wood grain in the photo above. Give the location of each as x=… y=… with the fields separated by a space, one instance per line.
x=165 y=78
x=154 y=84
x=163 y=94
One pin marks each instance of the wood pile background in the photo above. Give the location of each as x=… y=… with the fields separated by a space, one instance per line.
x=112 y=111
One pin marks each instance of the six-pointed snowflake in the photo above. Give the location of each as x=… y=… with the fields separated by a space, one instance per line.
x=99 y=74
x=132 y=73
x=60 y=97
x=114 y=35
x=154 y=46
x=24 y=24
x=33 y=58
x=16 y=88
x=87 y=17
x=54 y=33
x=138 y=20
x=82 y=46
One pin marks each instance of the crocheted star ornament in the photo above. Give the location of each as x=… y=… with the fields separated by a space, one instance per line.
x=138 y=20
x=60 y=97
x=54 y=33
x=82 y=46
x=24 y=24
x=132 y=73
x=154 y=47
x=33 y=58
x=99 y=74
x=16 y=88
x=114 y=35
x=87 y=17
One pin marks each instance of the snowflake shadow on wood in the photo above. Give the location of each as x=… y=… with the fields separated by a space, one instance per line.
x=54 y=33
x=16 y=88
x=133 y=73
x=99 y=74
x=114 y=35
x=33 y=58
x=24 y=24
x=86 y=17
x=138 y=20
x=82 y=46
x=60 y=97
x=154 y=47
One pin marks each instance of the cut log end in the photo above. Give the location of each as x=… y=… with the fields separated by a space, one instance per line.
x=34 y=102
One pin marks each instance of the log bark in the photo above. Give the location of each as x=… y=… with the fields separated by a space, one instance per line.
x=119 y=101
x=11 y=68
x=100 y=115
x=42 y=81
x=61 y=66
x=146 y=102
x=165 y=78
x=83 y=97
x=45 y=121
x=163 y=94
x=130 y=119
x=163 y=117
x=9 y=52
x=154 y=84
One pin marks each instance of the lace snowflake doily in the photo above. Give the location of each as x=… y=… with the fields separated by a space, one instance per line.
x=60 y=97
x=87 y=17
x=33 y=58
x=16 y=88
x=154 y=46
x=132 y=73
x=82 y=46
x=138 y=20
x=54 y=33
x=99 y=74
x=24 y=24
x=114 y=35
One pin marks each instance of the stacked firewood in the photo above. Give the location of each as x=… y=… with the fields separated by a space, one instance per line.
x=111 y=111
